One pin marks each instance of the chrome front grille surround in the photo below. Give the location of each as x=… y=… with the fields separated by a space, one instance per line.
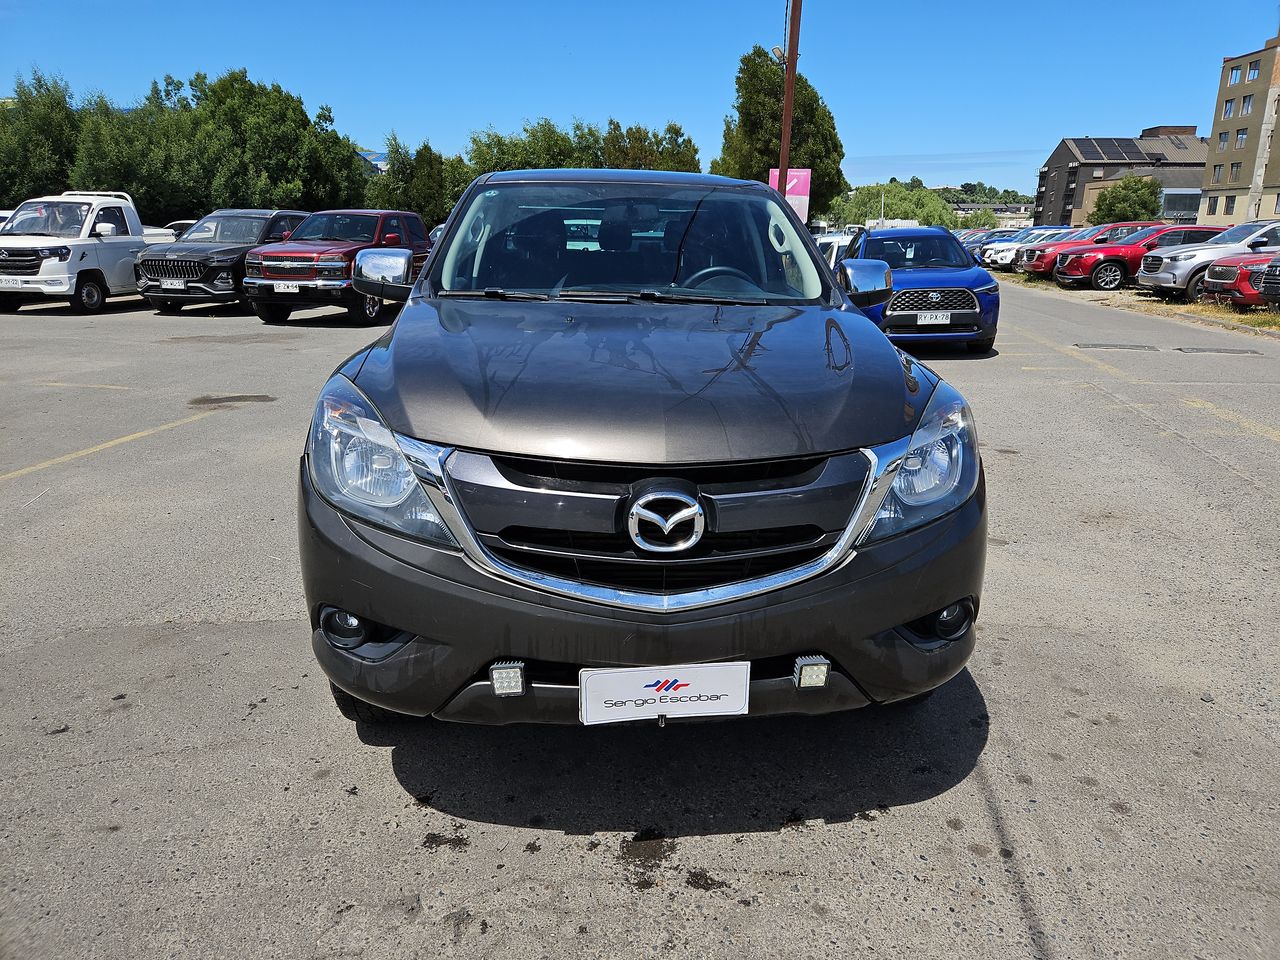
x=1223 y=273
x=952 y=299
x=157 y=269
x=1151 y=264
x=20 y=263
x=471 y=492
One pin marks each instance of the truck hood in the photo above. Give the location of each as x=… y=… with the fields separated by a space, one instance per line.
x=196 y=251
x=642 y=383
x=22 y=242
x=312 y=248
x=917 y=278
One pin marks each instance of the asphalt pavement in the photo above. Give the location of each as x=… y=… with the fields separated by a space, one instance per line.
x=1104 y=781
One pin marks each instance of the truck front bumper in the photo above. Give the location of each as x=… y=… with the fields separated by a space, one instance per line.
x=48 y=285
x=313 y=293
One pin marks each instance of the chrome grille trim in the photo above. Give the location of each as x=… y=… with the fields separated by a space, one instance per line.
x=21 y=263
x=1223 y=274
x=951 y=299
x=431 y=465
x=157 y=269
x=1151 y=263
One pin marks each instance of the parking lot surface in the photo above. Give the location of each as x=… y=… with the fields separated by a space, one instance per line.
x=1104 y=781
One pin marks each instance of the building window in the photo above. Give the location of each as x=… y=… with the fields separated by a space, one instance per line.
x=1242 y=137
x=1234 y=177
x=1213 y=205
x=1228 y=109
x=1223 y=137
x=1217 y=173
x=1229 y=205
x=1099 y=173
x=1234 y=78
x=1254 y=67
x=1278 y=203
x=1246 y=105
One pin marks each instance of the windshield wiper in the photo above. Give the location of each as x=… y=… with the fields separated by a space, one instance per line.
x=664 y=296
x=494 y=293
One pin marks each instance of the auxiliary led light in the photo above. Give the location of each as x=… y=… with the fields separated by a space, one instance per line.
x=507 y=678
x=811 y=670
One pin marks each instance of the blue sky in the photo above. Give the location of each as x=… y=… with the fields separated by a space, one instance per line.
x=947 y=91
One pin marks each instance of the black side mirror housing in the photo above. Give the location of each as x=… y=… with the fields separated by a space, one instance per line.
x=866 y=282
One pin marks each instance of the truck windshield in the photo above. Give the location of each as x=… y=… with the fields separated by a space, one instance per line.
x=929 y=250
x=224 y=228
x=47 y=218
x=668 y=241
x=349 y=227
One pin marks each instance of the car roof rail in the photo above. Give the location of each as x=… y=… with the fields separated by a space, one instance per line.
x=111 y=194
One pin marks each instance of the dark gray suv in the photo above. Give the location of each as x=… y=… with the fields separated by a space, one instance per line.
x=631 y=452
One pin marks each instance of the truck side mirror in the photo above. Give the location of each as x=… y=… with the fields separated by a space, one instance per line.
x=386 y=274
x=391 y=240
x=866 y=282
x=104 y=229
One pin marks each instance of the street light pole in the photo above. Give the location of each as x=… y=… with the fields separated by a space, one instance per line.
x=788 y=89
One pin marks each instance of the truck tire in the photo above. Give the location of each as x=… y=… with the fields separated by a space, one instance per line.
x=353 y=708
x=367 y=310
x=1195 y=286
x=90 y=295
x=271 y=312
x=1107 y=276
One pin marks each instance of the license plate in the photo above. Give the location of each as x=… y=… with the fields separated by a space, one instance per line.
x=11 y=282
x=173 y=285
x=613 y=694
x=934 y=317
x=286 y=288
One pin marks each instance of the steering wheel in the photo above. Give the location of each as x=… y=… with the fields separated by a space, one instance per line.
x=708 y=273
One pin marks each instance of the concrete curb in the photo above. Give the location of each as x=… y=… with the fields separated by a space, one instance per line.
x=1176 y=316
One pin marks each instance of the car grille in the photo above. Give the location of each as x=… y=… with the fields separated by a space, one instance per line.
x=20 y=263
x=280 y=267
x=568 y=520
x=1029 y=255
x=1223 y=274
x=155 y=269
x=1151 y=264
x=914 y=301
x=1269 y=284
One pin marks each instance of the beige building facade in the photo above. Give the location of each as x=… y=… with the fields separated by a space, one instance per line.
x=1241 y=175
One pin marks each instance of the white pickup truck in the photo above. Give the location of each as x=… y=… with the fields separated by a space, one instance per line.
x=77 y=246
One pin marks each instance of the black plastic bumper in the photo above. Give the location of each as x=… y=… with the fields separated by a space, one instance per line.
x=457 y=620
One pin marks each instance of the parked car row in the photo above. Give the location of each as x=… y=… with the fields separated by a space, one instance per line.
x=87 y=246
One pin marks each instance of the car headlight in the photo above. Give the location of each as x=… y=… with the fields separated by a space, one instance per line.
x=1179 y=257
x=357 y=466
x=62 y=254
x=938 y=473
x=253 y=266
x=992 y=287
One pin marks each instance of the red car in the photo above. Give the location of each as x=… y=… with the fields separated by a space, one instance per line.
x=1109 y=266
x=312 y=267
x=1235 y=280
x=1040 y=259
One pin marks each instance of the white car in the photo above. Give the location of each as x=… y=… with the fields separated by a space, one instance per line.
x=78 y=246
x=1002 y=254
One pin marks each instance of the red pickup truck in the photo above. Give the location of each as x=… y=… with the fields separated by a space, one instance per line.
x=1235 y=280
x=312 y=267
x=1040 y=259
x=1109 y=266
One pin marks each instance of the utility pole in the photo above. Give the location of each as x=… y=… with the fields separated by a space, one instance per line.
x=788 y=89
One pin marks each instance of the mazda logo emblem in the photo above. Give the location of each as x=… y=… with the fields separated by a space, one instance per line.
x=935 y=296
x=664 y=512
x=4 y=254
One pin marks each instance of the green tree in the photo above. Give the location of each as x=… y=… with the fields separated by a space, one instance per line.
x=1132 y=198
x=413 y=181
x=982 y=218
x=457 y=175
x=38 y=131
x=862 y=205
x=752 y=133
x=640 y=148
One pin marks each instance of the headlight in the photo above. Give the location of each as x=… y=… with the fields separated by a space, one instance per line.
x=938 y=473
x=357 y=466
x=253 y=266
x=62 y=254
x=1179 y=257
x=333 y=268
x=992 y=287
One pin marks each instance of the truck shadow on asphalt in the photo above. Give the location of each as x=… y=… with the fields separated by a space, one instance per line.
x=693 y=779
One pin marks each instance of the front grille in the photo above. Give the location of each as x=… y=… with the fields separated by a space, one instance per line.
x=1029 y=256
x=1222 y=273
x=568 y=519
x=288 y=268
x=1151 y=264
x=903 y=328
x=155 y=269
x=20 y=263
x=949 y=299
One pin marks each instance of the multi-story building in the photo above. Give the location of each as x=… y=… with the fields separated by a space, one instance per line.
x=1067 y=190
x=1240 y=180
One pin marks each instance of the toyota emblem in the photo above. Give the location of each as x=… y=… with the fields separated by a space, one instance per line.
x=934 y=296
x=663 y=512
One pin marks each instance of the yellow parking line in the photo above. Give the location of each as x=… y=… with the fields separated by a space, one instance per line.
x=68 y=457
x=92 y=386
x=1048 y=368
x=1230 y=416
x=1075 y=354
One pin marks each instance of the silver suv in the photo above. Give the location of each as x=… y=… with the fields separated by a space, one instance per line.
x=1179 y=271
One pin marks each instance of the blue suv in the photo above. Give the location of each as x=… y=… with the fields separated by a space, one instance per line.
x=940 y=294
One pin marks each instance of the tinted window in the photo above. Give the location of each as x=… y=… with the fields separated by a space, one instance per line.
x=359 y=227
x=1171 y=239
x=115 y=217
x=416 y=230
x=392 y=225
x=221 y=228
x=695 y=240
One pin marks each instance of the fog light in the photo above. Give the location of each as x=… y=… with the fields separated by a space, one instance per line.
x=342 y=629
x=811 y=671
x=953 y=621
x=507 y=678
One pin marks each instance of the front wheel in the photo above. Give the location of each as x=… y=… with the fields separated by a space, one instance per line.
x=1195 y=287
x=353 y=708
x=271 y=312
x=1107 y=277
x=90 y=296
x=369 y=310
